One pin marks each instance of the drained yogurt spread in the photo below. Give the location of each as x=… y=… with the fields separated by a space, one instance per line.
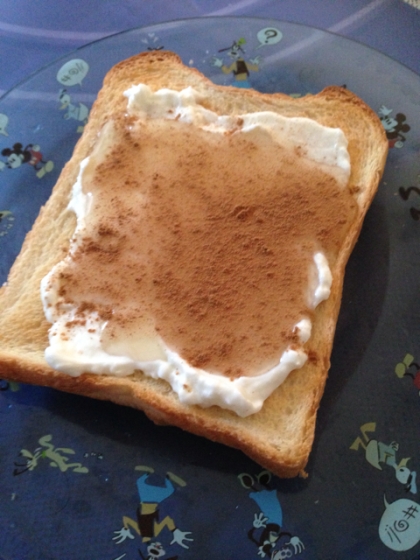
x=203 y=245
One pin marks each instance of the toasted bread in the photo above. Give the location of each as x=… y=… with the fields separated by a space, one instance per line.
x=280 y=436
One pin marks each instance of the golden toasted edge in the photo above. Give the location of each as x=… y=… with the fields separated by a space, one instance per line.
x=155 y=397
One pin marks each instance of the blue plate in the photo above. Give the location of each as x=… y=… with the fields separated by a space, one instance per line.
x=83 y=479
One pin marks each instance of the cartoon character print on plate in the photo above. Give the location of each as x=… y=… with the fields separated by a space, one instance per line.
x=405 y=193
x=6 y=386
x=152 y=521
x=73 y=72
x=399 y=528
x=237 y=65
x=4 y=121
x=269 y=36
x=153 y=552
x=56 y=456
x=410 y=369
x=395 y=127
x=70 y=74
x=234 y=60
x=79 y=112
x=379 y=454
x=6 y=222
x=151 y=41
x=9 y=385
x=31 y=154
x=267 y=527
x=98 y=456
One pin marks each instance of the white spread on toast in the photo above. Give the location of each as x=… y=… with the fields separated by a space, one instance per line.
x=79 y=340
x=324 y=145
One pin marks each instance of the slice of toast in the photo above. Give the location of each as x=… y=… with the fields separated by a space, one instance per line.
x=280 y=436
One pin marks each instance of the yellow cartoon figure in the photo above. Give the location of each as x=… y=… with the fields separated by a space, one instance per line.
x=239 y=67
x=56 y=456
x=148 y=524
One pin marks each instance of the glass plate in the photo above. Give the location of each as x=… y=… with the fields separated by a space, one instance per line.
x=79 y=477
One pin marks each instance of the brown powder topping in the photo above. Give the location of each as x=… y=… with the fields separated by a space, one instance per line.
x=207 y=240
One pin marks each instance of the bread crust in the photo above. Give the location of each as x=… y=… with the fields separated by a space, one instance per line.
x=280 y=436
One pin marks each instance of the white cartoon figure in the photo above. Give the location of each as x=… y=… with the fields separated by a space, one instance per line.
x=239 y=67
x=17 y=155
x=4 y=121
x=78 y=112
x=378 y=454
x=399 y=528
x=154 y=551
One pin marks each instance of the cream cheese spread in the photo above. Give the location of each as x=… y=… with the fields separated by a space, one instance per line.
x=324 y=145
x=79 y=349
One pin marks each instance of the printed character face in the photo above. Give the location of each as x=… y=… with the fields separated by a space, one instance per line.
x=403 y=474
x=14 y=161
x=282 y=554
x=389 y=123
x=399 y=528
x=407 y=477
x=235 y=51
x=155 y=550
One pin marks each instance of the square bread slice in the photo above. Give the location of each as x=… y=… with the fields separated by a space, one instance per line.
x=280 y=436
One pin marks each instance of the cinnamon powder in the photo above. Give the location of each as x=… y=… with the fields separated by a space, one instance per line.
x=207 y=240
